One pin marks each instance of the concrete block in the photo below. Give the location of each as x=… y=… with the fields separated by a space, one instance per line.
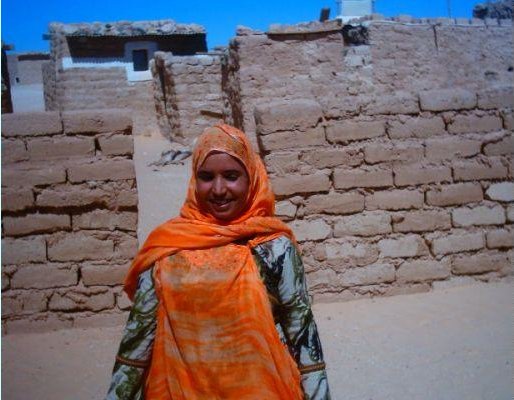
x=362 y=178
x=105 y=170
x=79 y=247
x=457 y=243
x=394 y=200
x=368 y=275
x=45 y=276
x=104 y=219
x=500 y=238
x=479 y=263
x=116 y=145
x=365 y=224
x=294 y=139
x=423 y=270
x=17 y=199
x=475 y=124
x=422 y=221
x=496 y=97
x=417 y=127
x=403 y=246
x=479 y=215
x=503 y=191
x=345 y=131
x=418 y=175
x=31 y=124
x=505 y=146
x=472 y=170
x=450 y=195
x=451 y=148
x=335 y=203
x=104 y=274
x=26 y=250
x=292 y=184
x=316 y=229
x=92 y=122
x=375 y=153
x=447 y=99
x=14 y=151
x=35 y=223
x=24 y=175
x=60 y=147
x=328 y=158
x=281 y=115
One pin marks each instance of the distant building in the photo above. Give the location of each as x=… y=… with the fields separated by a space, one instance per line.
x=26 y=68
x=350 y=9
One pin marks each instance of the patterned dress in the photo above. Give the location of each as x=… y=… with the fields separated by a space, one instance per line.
x=281 y=271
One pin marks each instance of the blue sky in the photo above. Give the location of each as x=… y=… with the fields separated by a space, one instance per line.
x=24 y=22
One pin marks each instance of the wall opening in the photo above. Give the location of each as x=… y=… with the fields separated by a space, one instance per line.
x=140 y=59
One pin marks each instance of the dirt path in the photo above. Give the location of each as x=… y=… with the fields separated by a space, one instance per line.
x=453 y=344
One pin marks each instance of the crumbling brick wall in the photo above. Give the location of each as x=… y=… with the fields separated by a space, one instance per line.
x=188 y=93
x=69 y=217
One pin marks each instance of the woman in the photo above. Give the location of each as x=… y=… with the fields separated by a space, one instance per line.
x=220 y=309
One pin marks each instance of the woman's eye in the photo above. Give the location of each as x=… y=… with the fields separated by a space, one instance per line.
x=232 y=177
x=205 y=176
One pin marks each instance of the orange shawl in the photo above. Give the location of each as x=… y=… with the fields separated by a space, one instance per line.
x=216 y=337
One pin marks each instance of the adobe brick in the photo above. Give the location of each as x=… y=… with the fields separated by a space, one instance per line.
x=359 y=178
x=333 y=157
x=365 y=224
x=422 y=221
x=508 y=119
x=104 y=219
x=72 y=196
x=335 y=203
x=475 y=124
x=479 y=215
x=403 y=246
x=116 y=145
x=104 y=274
x=111 y=120
x=451 y=148
x=500 y=238
x=423 y=270
x=497 y=97
x=457 y=243
x=503 y=191
x=17 y=199
x=345 y=131
x=368 y=275
x=471 y=170
x=105 y=170
x=11 y=305
x=74 y=301
x=6 y=283
x=447 y=99
x=79 y=247
x=352 y=252
x=375 y=153
x=35 y=223
x=479 y=263
x=285 y=209
x=292 y=184
x=13 y=151
x=282 y=163
x=505 y=146
x=23 y=176
x=450 y=195
x=416 y=127
x=45 y=276
x=316 y=229
x=125 y=247
x=510 y=213
x=418 y=175
x=126 y=198
x=398 y=103
x=60 y=147
x=293 y=139
x=23 y=250
x=394 y=200
x=31 y=124
x=282 y=115
x=38 y=323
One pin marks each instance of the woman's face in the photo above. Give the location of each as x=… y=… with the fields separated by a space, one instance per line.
x=221 y=186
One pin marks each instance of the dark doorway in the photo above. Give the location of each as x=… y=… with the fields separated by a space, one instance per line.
x=140 y=60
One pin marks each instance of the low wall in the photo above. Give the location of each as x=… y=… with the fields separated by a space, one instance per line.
x=69 y=218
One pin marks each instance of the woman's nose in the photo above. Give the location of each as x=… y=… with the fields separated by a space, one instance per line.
x=219 y=188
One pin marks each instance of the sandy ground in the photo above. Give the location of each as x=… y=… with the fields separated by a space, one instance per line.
x=450 y=344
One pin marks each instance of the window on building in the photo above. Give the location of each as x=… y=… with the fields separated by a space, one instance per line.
x=140 y=60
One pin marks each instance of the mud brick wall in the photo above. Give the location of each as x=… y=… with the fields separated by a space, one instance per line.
x=188 y=93
x=69 y=218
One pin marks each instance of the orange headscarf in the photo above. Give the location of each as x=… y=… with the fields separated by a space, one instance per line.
x=194 y=229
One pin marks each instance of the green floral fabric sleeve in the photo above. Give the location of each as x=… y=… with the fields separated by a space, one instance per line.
x=282 y=271
x=135 y=349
